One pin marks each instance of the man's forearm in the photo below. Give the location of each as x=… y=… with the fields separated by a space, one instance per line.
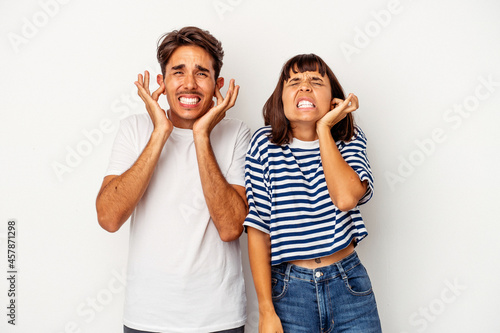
x=226 y=204
x=119 y=195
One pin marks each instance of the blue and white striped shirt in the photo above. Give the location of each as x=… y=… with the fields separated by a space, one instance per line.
x=288 y=197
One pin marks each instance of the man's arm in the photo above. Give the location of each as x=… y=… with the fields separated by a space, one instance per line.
x=226 y=203
x=119 y=195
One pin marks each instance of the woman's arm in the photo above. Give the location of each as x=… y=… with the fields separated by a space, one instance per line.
x=259 y=252
x=344 y=186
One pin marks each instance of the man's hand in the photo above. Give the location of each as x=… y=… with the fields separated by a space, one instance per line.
x=340 y=109
x=157 y=114
x=205 y=124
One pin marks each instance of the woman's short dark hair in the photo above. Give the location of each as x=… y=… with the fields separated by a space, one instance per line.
x=274 y=113
x=189 y=36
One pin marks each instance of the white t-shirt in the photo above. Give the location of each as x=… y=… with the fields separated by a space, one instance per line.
x=181 y=276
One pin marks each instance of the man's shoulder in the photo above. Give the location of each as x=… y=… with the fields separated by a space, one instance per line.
x=138 y=119
x=230 y=127
x=231 y=123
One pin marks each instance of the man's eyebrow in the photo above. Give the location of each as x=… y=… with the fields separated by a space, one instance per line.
x=201 y=68
x=181 y=66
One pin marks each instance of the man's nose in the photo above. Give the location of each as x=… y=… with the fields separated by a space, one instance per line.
x=190 y=82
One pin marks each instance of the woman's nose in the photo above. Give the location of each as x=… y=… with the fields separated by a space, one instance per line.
x=305 y=86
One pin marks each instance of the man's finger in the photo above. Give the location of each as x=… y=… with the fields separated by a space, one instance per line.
x=156 y=94
x=234 y=96
x=230 y=95
x=140 y=91
x=218 y=95
x=146 y=81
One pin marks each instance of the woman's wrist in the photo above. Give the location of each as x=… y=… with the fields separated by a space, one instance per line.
x=266 y=308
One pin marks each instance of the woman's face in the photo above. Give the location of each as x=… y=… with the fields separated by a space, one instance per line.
x=306 y=98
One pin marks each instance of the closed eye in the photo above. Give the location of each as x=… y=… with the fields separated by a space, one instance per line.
x=293 y=82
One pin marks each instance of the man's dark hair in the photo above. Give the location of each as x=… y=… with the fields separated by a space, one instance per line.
x=189 y=36
x=274 y=113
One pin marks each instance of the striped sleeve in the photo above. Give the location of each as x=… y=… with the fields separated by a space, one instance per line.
x=354 y=153
x=256 y=184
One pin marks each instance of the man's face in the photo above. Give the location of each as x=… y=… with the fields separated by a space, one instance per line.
x=189 y=85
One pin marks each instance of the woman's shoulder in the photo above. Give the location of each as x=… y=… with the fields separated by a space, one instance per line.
x=261 y=136
x=260 y=141
x=357 y=140
x=358 y=133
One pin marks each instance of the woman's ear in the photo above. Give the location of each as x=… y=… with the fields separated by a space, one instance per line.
x=332 y=104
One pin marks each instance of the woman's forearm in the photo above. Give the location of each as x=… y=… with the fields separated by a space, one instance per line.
x=344 y=186
x=259 y=251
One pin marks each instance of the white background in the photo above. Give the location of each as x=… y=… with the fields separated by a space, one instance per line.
x=67 y=70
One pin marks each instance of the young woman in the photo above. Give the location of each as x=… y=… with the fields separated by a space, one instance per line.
x=306 y=173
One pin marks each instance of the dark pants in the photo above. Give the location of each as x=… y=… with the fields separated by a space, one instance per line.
x=233 y=330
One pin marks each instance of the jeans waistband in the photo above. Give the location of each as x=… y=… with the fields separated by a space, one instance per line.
x=326 y=272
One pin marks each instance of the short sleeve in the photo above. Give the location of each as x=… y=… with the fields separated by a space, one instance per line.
x=125 y=151
x=256 y=184
x=236 y=172
x=354 y=153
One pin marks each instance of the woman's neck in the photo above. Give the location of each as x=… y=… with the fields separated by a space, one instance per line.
x=305 y=132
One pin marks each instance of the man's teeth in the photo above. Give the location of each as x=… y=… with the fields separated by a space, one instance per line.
x=305 y=104
x=185 y=100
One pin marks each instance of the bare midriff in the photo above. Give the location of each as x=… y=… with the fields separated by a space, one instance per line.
x=325 y=261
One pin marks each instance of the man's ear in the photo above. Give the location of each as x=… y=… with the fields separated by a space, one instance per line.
x=159 y=79
x=220 y=82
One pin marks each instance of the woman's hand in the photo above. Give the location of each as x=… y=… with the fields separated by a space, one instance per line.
x=270 y=323
x=340 y=109
x=156 y=113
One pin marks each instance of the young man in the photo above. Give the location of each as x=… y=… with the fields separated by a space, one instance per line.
x=181 y=174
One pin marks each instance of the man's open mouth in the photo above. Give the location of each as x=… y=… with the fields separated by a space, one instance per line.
x=189 y=100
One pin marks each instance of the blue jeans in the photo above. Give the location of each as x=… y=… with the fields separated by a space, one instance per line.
x=234 y=330
x=331 y=299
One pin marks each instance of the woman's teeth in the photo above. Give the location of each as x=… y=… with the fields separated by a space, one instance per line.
x=305 y=104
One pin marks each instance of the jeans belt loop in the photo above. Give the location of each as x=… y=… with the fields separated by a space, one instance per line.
x=341 y=270
x=287 y=272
